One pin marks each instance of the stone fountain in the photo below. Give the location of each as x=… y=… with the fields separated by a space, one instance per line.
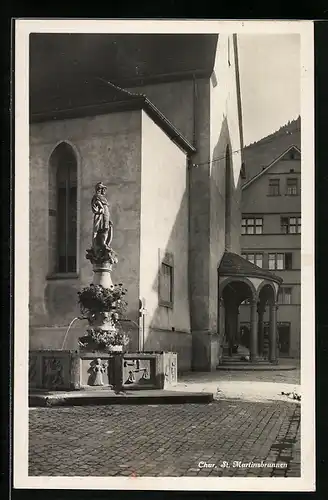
x=100 y=360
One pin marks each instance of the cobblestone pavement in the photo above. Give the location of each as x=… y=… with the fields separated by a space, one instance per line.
x=166 y=440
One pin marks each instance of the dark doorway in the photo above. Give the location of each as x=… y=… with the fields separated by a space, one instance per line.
x=245 y=335
x=284 y=338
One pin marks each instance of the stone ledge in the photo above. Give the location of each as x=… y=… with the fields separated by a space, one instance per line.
x=102 y=397
x=255 y=367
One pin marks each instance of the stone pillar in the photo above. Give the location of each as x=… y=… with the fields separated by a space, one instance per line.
x=260 y=312
x=254 y=332
x=232 y=324
x=221 y=329
x=118 y=372
x=237 y=325
x=266 y=343
x=273 y=334
x=102 y=274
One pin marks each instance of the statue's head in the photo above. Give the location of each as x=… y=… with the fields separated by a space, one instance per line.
x=100 y=188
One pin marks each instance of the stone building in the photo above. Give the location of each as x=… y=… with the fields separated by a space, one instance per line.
x=271 y=227
x=157 y=118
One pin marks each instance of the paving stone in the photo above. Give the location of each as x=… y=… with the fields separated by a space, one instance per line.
x=167 y=440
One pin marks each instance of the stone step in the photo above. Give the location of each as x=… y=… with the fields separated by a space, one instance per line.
x=99 y=397
x=255 y=367
x=231 y=361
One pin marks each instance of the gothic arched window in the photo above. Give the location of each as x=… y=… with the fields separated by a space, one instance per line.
x=63 y=209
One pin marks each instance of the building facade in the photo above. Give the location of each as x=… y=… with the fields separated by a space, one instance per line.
x=164 y=134
x=271 y=229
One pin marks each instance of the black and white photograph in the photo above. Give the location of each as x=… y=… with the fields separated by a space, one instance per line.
x=164 y=318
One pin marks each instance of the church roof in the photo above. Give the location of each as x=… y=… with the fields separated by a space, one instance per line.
x=80 y=93
x=94 y=96
x=233 y=264
x=126 y=59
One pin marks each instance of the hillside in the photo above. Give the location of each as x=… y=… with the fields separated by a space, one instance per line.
x=261 y=153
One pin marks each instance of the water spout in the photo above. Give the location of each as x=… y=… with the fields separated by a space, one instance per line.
x=68 y=329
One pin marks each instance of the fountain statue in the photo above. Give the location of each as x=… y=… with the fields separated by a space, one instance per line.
x=102 y=303
x=101 y=255
x=102 y=225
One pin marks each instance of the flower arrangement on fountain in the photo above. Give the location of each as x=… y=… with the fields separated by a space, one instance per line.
x=104 y=340
x=103 y=308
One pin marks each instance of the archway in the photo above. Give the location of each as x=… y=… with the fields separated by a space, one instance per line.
x=240 y=281
x=233 y=292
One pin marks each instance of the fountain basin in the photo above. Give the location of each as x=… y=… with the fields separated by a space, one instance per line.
x=52 y=369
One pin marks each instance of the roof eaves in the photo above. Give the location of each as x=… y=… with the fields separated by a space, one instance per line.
x=270 y=276
x=251 y=269
x=88 y=110
x=168 y=127
x=129 y=101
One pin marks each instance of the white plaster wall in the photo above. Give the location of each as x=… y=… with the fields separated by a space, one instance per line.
x=224 y=130
x=164 y=226
x=108 y=148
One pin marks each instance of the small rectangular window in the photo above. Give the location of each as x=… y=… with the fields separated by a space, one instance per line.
x=256 y=258
x=166 y=281
x=252 y=225
x=274 y=187
x=290 y=225
x=259 y=260
x=279 y=261
x=298 y=222
x=251 y=258
x=272 y=260
x=291 y=187
x=285 y=295
x=288 y=261
x=284 y=225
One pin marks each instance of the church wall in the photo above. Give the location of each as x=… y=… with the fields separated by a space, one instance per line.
x=108 y=148
x=164 y=230
x=223 y=131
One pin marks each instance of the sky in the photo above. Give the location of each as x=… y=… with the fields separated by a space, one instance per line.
x=270 y=82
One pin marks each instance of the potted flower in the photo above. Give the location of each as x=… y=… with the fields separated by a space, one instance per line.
x=101 y=306
x=104 y=340
x=118 y=341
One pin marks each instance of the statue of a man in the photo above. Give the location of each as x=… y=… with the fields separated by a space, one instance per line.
x=102 y=225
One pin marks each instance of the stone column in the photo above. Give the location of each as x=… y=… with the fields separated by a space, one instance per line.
x=260 y=312
x=102 y=274
x=273 y=333
x=232 y=313
x=254 y=332
x=221 y=326
x=237 y=325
